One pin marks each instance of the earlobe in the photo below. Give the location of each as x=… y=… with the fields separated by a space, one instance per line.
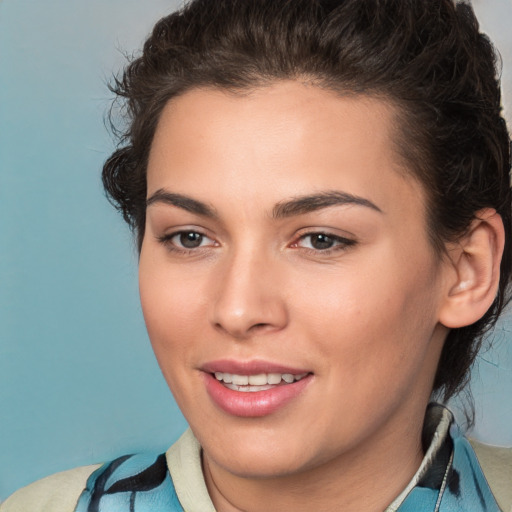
x=475 y=271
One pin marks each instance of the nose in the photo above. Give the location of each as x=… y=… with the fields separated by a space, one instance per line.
x=250 y=296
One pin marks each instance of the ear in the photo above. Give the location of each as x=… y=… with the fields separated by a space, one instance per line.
x=474 y=275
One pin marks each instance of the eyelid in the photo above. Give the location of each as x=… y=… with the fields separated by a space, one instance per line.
x=341 y=242
x=167 y=240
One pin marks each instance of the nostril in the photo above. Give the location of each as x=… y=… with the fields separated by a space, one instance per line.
x=259 y=327
x=246 y=311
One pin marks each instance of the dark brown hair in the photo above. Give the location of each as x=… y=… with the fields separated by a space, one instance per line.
x=426 y=57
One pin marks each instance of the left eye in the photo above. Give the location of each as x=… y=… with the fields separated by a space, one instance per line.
x=189 y=240
x=323 y=241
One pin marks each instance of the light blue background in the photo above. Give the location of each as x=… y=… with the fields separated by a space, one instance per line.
x=78 y=381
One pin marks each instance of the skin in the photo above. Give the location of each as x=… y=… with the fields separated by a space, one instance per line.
x=363 y=316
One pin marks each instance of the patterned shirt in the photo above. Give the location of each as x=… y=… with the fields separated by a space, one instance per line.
x=449 y=478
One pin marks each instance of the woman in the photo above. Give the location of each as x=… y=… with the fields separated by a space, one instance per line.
x=320 y=193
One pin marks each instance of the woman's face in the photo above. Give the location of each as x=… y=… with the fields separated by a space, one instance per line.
x=286 y=254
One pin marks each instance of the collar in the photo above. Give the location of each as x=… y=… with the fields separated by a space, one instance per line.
x=449 y=478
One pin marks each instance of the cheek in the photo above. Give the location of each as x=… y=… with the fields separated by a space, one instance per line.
x=171 y=313
x=373 y=316
x=172 y=304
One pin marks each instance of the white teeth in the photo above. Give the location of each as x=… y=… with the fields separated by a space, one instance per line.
x=240 y=380
x=248 y=388
x=260 y=380
x=274 y=378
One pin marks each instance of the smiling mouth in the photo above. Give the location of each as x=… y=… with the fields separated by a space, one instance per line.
x=259 y=382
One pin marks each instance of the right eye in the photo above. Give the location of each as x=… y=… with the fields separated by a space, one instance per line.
x=186 y=240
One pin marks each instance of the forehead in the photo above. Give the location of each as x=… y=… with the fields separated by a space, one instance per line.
x=290 y=136
x=279 y=114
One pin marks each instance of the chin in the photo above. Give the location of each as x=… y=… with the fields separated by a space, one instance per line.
x=264 y=454
x=261 y=466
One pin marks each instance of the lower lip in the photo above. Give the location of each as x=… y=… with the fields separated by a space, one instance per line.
x=256 y=403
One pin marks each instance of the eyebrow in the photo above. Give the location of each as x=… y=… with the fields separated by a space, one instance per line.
x=296 y=206
x=310 y=203
x=183 y=202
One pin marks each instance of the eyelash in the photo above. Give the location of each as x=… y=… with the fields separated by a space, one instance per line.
x=167 y=240
x=339 y=243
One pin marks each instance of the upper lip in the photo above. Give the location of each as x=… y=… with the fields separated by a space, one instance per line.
x=253 y=367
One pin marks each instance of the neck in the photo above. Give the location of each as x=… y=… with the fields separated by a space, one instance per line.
x=364 y=478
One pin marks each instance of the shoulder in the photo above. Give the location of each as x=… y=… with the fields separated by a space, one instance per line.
x=170 y=481
x=55 y=493
x=496 y=463
x=173 y=480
